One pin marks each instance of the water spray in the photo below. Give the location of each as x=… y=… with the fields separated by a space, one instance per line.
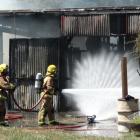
x=138 y=72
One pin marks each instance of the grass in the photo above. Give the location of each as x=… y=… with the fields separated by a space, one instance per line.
x=13 y=133
x=136 y=120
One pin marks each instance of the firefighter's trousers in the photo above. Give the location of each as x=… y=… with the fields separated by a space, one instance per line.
x=46 y=109
x=2 y=111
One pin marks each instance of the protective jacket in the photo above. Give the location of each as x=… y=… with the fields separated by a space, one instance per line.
x=5 y=85
x=48 y=85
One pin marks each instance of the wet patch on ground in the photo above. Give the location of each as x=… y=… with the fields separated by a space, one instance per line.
x=71 y=122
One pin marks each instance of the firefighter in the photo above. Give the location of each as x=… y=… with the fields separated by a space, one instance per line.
x=47 y=101
x=5 y=85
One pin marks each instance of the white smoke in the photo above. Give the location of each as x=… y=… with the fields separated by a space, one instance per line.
x=56 y=4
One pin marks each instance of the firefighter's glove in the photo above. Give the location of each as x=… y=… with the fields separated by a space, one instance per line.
x=12 y=86
x=51 y=91
x=57 y=91
x=2 y=98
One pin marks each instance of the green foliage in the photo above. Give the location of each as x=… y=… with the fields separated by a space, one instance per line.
x=137 y=47
x=136 y=120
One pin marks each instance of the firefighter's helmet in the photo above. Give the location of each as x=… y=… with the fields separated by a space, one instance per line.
x=51 y=69
x=3 y=68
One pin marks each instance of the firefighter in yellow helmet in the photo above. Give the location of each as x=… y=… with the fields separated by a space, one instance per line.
x=47 y=101
x=5 y=85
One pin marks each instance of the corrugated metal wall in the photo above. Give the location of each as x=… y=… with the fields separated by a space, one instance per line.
x=100 y=25
x=95 y=25
x=132 y=24
x=27 y=58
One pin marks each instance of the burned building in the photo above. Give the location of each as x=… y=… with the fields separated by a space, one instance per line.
x=31 y=40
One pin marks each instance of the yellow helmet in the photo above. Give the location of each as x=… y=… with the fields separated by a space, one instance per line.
x=51 y=69
x=3 y=67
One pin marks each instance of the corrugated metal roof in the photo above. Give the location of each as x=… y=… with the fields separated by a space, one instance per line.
x=92 y=10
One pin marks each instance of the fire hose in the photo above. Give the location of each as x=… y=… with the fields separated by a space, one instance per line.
x=38 y=84
x=23 y=109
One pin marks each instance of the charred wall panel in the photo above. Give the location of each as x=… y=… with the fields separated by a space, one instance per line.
x=90 y=25
x=100 y=24
x=27 y=58
x=132 y=24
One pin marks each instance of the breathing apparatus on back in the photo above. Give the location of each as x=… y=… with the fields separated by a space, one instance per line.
x=38 y=81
